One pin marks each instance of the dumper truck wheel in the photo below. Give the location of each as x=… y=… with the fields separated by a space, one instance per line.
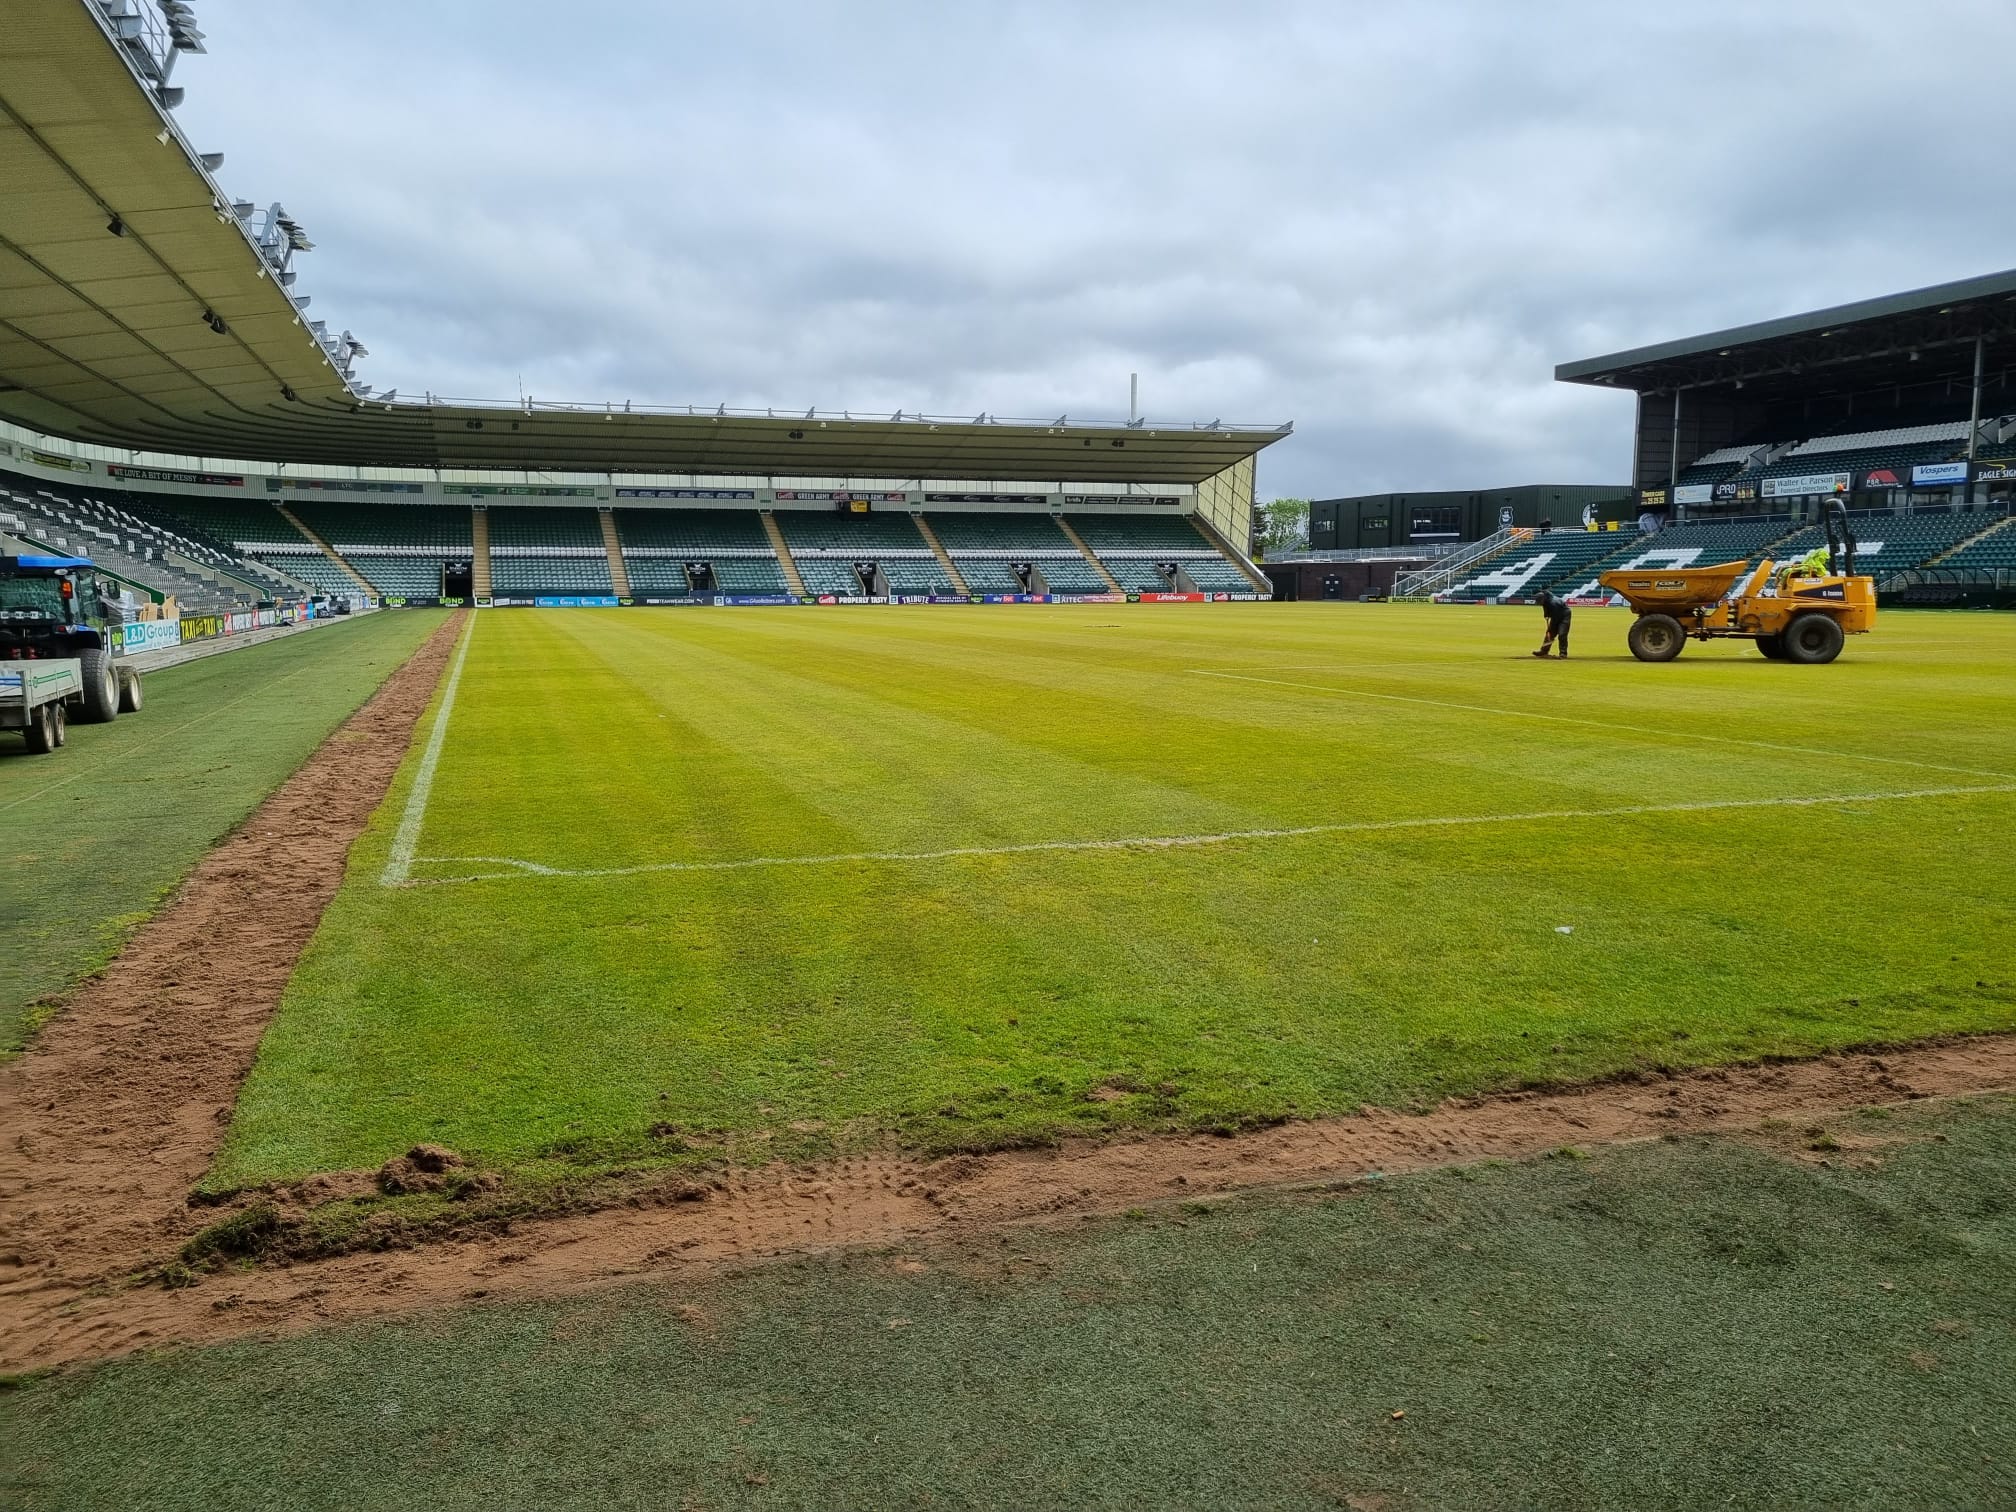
x=1813 y=639
x=101 y=688
x=41 y=730
x=129 y=691
x=1772 y=646
x=1656 y=638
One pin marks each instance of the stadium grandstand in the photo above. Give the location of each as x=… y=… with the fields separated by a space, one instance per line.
x=1902 y=408
x=164 y=391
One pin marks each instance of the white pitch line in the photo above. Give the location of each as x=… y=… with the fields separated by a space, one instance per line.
x=1604 y=724
x=399 y=865
x=521 y=868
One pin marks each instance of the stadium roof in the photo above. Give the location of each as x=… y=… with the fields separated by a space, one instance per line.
x=138 y=310
x=1847 y=346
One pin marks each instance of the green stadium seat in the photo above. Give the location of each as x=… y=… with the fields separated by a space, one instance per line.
x=535 y=549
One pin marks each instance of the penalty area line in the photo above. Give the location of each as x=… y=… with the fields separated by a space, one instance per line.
x=399 y=864
x=515 y=867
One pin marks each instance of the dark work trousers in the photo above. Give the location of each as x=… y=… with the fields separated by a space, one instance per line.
x=1557 y=631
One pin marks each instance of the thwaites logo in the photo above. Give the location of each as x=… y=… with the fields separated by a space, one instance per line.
x=1832 y=591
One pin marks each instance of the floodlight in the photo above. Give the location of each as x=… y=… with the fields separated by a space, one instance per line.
x=211 y=161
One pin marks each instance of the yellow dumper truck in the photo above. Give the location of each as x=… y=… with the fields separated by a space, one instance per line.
x=1794 y=613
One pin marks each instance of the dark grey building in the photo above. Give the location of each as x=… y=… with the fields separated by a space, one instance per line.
x=1436 y=518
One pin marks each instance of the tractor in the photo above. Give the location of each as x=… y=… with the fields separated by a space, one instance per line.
x=56 y=651
x=1793 y=614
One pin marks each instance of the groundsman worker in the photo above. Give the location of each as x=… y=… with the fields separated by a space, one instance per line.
x=1558 y=617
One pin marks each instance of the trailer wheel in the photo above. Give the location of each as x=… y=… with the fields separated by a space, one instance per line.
x=41 y=730
x=1656 y=638
x=1813 y=639
x=1773 y=646
x=129 y=691
x=101 y=688
x=59 y=721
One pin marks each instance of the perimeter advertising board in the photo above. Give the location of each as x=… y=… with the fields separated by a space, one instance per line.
x=1808 y=484
x=149 y=635
x=175 y=476
x=1938 y=474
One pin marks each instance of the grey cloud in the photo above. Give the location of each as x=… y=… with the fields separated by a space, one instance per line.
x=1387 y=223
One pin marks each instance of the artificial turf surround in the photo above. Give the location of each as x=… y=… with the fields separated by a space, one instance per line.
x=1805 y=1317
x=95 y=836
x=542 y=1023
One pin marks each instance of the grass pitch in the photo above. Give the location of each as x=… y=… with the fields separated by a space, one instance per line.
x=796 y=879
x=92 y=838
x=1708 y=1323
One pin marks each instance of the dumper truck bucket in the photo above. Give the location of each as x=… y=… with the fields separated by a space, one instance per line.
x=1667 y=589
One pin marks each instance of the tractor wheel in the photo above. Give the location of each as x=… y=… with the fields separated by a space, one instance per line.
x=129 y=691
x=41 y=731
x=1773 y=646
x=1656 y=638
x=101 y=689
x=1813 y=639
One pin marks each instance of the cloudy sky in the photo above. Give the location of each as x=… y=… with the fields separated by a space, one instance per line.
x=1383 y=221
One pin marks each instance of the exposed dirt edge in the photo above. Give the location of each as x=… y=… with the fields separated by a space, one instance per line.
x=891 y=1200
x=116 y=1109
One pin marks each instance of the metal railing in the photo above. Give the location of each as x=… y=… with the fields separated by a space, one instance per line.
x=527 y=405
x=1432 y=580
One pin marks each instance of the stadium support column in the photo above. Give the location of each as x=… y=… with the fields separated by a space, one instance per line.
x=1974 y=419
x=1673 y=460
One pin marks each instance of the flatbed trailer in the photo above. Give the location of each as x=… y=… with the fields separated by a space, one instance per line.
x=34 y=699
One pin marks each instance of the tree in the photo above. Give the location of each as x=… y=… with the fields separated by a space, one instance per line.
x=1280 y=525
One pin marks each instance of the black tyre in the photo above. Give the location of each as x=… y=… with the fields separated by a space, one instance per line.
x=1656 y=637
x=1813 y=639
x=41 y=731
x=129 y=691
x=1772 y=646
x=59 y=722
x=101 y=689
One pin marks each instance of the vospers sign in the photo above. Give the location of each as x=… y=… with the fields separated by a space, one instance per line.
x=1938 y=474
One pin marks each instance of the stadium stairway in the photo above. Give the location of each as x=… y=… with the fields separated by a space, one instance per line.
x=1085 y=551
x=952 y=573
x=777 y=544
x=1990 y=548
x=618 y=573
x=1224 y=548
x=479 y=567
x=327 y=550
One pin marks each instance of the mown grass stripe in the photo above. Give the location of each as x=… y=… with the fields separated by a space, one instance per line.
x=1604 y=724
x=400 y=863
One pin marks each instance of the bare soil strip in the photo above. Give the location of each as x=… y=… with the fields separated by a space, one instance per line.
x=109 y=1119
x=890 y=1201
